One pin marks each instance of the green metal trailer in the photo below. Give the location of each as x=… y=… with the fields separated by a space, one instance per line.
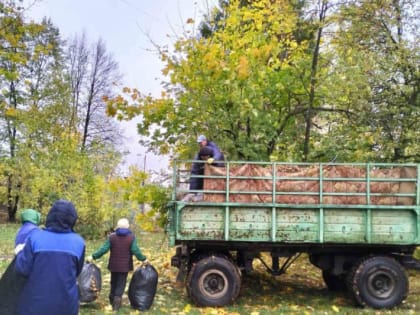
x=357 y=222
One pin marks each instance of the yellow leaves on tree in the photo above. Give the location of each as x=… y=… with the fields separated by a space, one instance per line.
x=243 y=68
x=211 y=60
x=11 y=112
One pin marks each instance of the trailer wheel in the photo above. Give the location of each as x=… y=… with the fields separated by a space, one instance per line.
x=378 y=282
x=213 y=281
x=334 y=282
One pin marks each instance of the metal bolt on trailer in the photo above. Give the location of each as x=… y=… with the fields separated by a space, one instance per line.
x=357 y=222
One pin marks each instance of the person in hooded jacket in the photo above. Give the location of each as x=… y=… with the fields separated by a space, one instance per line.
x=122 y=245
x=52 y=259
x=207 y=154
x=217 y=153
x=11 y=282
x=30 y=221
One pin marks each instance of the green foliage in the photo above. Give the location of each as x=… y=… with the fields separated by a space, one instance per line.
x=289 y=81
x=28 y=58
x=231 y=86
x=145 y=201
x=378 y=68
x=268 y=80
x=40 y=146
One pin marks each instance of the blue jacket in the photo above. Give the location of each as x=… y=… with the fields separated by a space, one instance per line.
x=24 y=232
x=30 y=221
x=52 y=260
x=217 y=154
x=196 y=183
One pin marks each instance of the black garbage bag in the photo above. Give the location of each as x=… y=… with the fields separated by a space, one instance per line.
x=89 y=283
x=142 y=289
x=11 y=285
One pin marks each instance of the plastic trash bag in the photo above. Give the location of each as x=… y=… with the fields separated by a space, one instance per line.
x=89 y=283
x=11 y=284
x=143 y=287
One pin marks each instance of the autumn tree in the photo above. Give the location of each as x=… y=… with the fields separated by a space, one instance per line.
x=376 y=69
x=286 y=80
x=93 y=76
x=230 y=85
x=137 y=196
x=30 y=55
x=41 y=156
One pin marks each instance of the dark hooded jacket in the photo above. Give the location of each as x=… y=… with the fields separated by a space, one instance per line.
x=51 y=260
x=197 y=169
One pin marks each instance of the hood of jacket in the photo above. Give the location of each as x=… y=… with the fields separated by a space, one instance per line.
x=122 y=231
x=31 y=215
x=62 y=216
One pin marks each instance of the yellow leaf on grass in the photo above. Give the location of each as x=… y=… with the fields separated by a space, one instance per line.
x=108 y=308
x=187 y=308
x=212 y=311
x=255 y=313
x=335 y=309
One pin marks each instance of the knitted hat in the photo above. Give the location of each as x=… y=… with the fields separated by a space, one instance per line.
x=201 y=138
x=30 y=215
x=123 y=224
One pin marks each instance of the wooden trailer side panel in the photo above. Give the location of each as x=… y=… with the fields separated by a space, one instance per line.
x=260 y=224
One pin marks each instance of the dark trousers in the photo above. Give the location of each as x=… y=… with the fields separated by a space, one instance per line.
x=118 y=281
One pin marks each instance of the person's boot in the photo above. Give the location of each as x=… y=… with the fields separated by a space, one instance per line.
x=116 y=303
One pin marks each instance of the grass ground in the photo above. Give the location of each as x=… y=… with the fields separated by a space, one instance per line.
x=299 y=291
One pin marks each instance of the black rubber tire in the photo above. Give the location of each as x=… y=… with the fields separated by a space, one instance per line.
x=213 y=281
x=334 y=282
x=378 y=282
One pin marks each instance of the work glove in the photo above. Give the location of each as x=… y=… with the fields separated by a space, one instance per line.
x=145 y=262
x=89 y=259
x=210 y=161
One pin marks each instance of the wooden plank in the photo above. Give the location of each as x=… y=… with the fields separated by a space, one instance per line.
x=296 y=236
x=394 y=226
x=339 y=216
x=201 y=223
x=202 y=234
x=250 y=235
x=202 y=214
x=296 y=225
x=297 y=215
x=349 y=238
x=394 y=238
x=344 y=225
x=250 y=215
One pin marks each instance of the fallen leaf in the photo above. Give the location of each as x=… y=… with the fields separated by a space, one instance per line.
x=335 y=309
x=187 y=308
